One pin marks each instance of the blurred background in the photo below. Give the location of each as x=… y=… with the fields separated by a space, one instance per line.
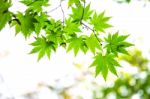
x=67 y=77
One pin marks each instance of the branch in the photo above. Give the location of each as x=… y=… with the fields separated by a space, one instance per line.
x=88 y=26
x=54 y=9
x=92 y=31
x=62 y=12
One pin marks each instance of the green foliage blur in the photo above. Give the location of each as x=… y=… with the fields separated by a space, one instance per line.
x=129 y=85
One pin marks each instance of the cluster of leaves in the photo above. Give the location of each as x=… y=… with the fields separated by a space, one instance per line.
x=67 y=32
x=5 y=15
x=129 y=85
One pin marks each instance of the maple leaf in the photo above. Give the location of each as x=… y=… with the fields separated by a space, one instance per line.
x=5 y=15
x=71 y=2
x=35 y=5
x=93 y=43
x=117 y=44
x=100 y=22
x=71 y=27
x=27 y=22
x=77 y=44
x=104 y=63
x=4 y=18
x=43 y=47
x=80 y=13
x=41 y=22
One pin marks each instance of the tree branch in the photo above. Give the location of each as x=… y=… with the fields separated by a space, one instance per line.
x=62 y=12
x=92 y=31
x=87 y=25
x=54 y=9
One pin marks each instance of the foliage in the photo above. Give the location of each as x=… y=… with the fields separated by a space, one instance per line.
x=105 y=63
x=68 y=32
x=129 y=85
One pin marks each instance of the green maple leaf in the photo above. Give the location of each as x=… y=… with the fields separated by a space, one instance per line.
x=78 y=15
x=41 y=22
x=27 y=22
x=54 y=31
x=5 y=15
x=104 y=63
x=117 y=44
x=35 y=5
x=5 y=4
x=4 y=18
x=77 y=44
x=71 y=2
x=43 y=47
x=53 y=25
x=93 y=43
x=71 y=27
x=100 y=22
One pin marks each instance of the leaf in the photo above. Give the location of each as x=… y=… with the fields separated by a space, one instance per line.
x=104 y=63
x=93 y=43
x=71 y=27
x=117 y=44
x=35 y=5
x=77 y=44
x=4 y=18
x=100 y=22
x=87 y=13
x=27 y=22
x=80 y=13
x=41 y=22
x=71 y=2
x=5 y=4
x=42 y=47
x=41 y=54
x=5 y=15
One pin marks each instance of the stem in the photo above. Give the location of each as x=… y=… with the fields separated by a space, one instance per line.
x=54 y=9
x=87 y=25
x=62 y=12
x=92 y=31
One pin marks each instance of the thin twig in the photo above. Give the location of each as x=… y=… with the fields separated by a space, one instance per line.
x=88 y=26
x=92 y=31
x=62 y=12
x=54 y=9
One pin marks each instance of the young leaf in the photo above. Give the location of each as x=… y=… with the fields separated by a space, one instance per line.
x=104 y=63
x=35 y=5
x=71 y=27
x=42 y=47
x=27 y=22
x=80 y=13
x=93 y=43
x=4 y=18
x=117 y=44
x=71 y=2
x=100 y=22
x=77 y=44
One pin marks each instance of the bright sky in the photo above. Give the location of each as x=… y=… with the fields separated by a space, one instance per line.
x=21 y=72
